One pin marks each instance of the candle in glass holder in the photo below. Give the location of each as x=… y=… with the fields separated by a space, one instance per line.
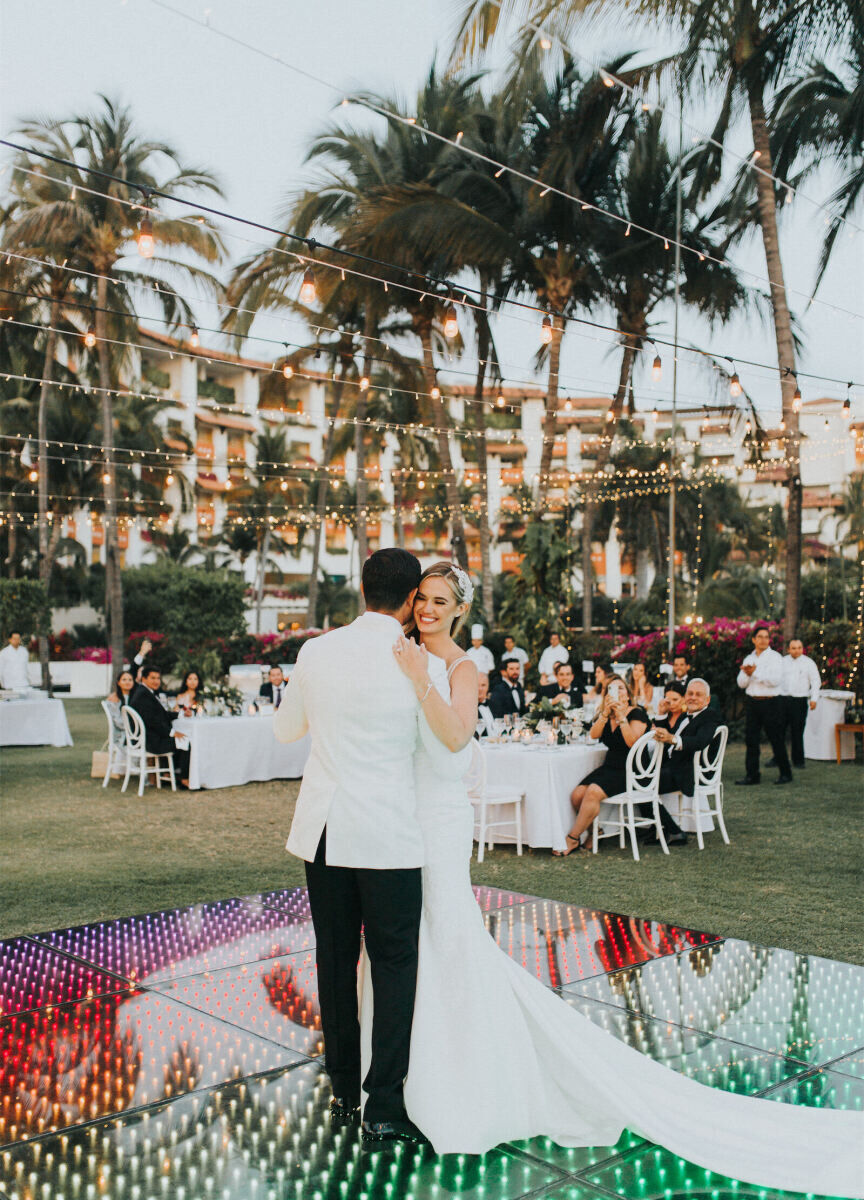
x=551 y=737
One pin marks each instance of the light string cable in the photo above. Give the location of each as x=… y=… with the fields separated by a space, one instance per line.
x=458 y=144
x=751 y=161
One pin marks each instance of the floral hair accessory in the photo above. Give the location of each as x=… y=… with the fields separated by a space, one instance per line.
x=466 y=587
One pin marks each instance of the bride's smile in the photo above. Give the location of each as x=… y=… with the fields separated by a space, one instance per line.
x=435 y=607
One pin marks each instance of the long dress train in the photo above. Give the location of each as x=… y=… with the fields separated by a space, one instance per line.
x=496 y=1056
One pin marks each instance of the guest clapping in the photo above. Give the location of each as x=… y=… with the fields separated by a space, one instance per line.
x=273 y=690
x=618 y=726
x=187 y=698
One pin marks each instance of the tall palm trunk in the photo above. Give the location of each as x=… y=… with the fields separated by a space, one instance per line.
x=767 y=207
x=321 y=500
x=261 y=575
x=113 y=579
x=398 y=520
x=45 y=560
x=590 y=508
x=362 y=489
x=550 y=418
x=483 y=342
x=451 y=488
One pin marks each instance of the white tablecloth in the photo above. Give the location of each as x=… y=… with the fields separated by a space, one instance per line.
x=37 y=722
x=819 y=736
x=547 y=776
x=228 y=751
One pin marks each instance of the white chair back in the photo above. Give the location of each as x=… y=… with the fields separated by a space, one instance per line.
x=643 y=766
x=475 y=776
x=134 y=726
x=112 y=728
x=708 y=763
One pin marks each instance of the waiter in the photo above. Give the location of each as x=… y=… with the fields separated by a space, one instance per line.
x=801 y=686
x=13 y=664
x=761 y=677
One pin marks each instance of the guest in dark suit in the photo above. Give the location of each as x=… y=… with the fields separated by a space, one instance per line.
x=508 y=695
x=160 y=736
x=566 y=688
x=273 y=691
x=691 y=734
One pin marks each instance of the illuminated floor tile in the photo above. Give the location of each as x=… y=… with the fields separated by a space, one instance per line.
x=33 y=975
x=185 y=941
x=490 y=898
x=79 y=1062
x=713 y=1061
x=276 y=998
x=851 y=1064
x=799 y=1007
x=258 y=1139
x=560 y=943
x=577 y=1160
x=822 y=1089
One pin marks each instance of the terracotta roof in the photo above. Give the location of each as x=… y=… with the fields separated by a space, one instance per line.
x=226 y=421
x=175 y=444
x=217 y=356
x=211 y=484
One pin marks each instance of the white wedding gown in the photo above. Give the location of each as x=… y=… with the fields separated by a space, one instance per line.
x=496 y=1056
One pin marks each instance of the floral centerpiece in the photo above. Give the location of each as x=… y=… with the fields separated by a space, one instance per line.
x=544 y=710
x=220 y=700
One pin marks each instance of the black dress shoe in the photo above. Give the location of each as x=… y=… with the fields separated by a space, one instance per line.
x=783 y=779
x=672 y=839
x=393 y=1131
x=344 y=1112
x=799 y=766
x=772 y=762
x=747 y=782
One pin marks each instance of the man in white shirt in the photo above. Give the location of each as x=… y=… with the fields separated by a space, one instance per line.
x=13 y=664
x=481 y=656
x=801 y=687
x=761 y=677
x=511 y=650
x=554 y=653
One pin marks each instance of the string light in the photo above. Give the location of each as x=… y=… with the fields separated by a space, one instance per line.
x=847 y=404
x=546 y=330
x=451 y=323
x=364 y=383
x=657 y=369
x=146 y=244
x=90 y=337
x=33 y=475
x=796 y=400
x=735 y=388
x=288 y=371
x=308 y=290
x=194 y=339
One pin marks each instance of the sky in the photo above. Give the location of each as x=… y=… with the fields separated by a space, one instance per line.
x=251 y=121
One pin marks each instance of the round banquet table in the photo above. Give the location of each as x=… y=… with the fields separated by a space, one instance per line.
x=547 y=775
x=34 y=722
x=819 y=736
x=229 y=751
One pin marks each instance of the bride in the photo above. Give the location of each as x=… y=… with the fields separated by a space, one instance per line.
x=496 y=1056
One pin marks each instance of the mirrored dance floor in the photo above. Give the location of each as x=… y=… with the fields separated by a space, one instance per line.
x=176 y=1056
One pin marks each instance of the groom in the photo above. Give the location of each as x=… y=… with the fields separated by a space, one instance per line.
x=356 y=828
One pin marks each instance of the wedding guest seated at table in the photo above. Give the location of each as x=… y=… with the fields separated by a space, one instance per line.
x=691 y=732
x=619 y=724
x=273 y=690
x=643 y=692
x=160 y=738
x=190 y=689
x=485 y=719
x=602 y=672
x=124 y=686
x=508 y=696
x=565 y=690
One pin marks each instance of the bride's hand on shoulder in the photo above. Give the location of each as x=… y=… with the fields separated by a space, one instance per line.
x=413 y=660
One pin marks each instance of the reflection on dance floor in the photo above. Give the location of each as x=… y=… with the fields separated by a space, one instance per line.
x=176 y=1054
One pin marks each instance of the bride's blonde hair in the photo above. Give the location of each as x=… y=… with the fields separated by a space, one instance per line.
x=460 y=585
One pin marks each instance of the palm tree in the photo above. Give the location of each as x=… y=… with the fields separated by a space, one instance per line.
x=84 y=217
x=745 y=51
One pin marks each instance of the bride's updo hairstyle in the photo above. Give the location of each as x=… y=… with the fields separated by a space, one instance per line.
x=460 y=585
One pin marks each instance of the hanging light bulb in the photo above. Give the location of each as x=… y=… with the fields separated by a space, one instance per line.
x=546 y=330
x=451 y=323
x=288 y=371
x=568 y=405
x=106 y=477
x=748 y=426
x=608 y=81
x=796 y=400
x=655 y=416
x=500 y=399
x=308 y=291
x=90 y=337
x=283 y=486
x=436 y=393
x=847 y=408
x=194 y=339
x=364 y=383
x=735 y=388
x=33 y=475
x=657 y=368
x=146 y=245
x=610 y=415
x=169 y=479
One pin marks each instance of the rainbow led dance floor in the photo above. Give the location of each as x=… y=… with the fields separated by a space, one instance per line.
x=175 y=1056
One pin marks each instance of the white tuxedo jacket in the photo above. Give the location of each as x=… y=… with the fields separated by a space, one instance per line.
x=364 y=721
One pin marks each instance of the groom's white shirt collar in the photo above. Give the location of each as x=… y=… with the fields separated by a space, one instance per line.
x=380 y=618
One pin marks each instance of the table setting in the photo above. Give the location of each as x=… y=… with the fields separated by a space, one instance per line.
x=230 y=748
x=32 y=719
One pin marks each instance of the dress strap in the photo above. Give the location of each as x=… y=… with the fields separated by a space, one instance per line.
x=455 y=664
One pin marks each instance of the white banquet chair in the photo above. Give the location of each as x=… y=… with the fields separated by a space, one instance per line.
x=138 y=760
x=482 y=797
x=117 y=748
x=708 y=786
x=642 y=787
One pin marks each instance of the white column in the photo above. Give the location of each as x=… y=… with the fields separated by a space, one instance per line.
x=613 y=564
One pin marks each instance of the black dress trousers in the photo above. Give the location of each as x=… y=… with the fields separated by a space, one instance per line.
x=386 y=905
x=765 y=714
x=797 y=710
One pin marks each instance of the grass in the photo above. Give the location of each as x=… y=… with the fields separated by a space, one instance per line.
x=71 y=852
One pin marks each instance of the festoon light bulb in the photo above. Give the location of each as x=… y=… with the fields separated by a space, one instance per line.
x=146 y=244
x=546 y=330
x=657 y=368
x=308 y=290
x=451 y=322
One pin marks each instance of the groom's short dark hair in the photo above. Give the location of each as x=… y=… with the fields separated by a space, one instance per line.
x=389 y=578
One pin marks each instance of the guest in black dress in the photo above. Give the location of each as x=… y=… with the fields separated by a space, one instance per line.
x=618 y=726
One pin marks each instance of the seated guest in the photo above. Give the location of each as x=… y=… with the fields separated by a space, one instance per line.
x=159 y=736
x=681 y=669
x=618 y=726
x=671 y=708
x=273 y=690
x=692 y=732
x=485 y=719
x=187 y=697
x=124 y=686
x=643 y=692
x=564 y=690
x=508 y=695
x=602 y=672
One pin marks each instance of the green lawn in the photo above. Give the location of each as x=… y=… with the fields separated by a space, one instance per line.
x=73 y=852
